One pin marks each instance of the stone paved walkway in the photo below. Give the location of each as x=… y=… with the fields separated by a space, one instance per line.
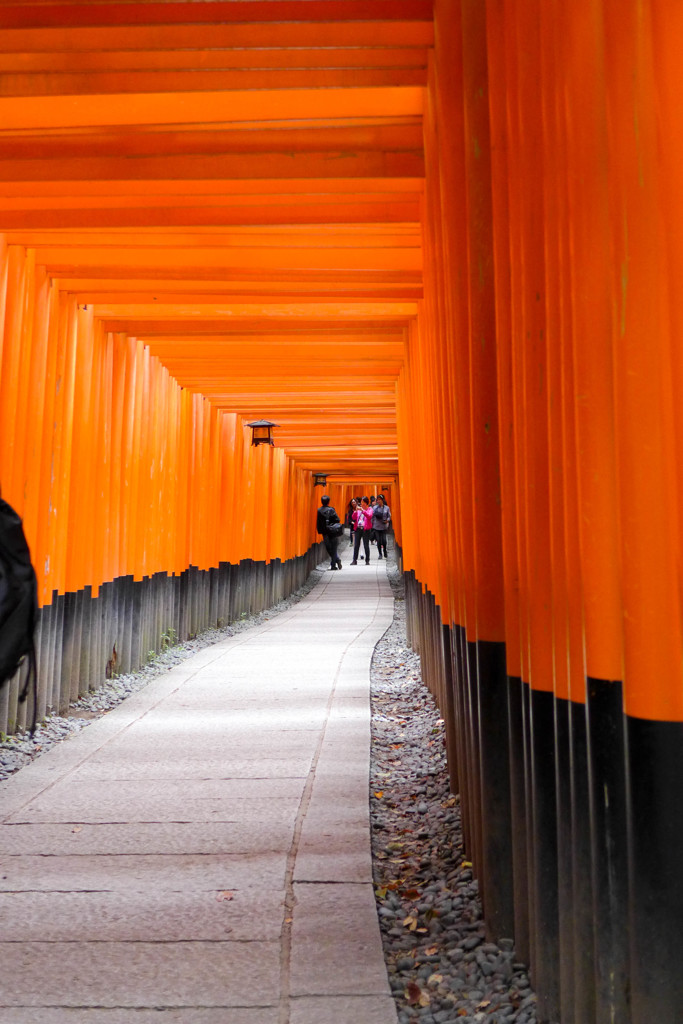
x=201 y=854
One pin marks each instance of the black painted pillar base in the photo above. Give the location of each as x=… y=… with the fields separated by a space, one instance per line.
x=519 y=815
x=583 y=884
x=496 y=874
x=609 y=848
x=449 y=710
x=545 y=957
x=655 y=844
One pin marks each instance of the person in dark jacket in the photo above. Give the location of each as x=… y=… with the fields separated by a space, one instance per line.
x=327 y=517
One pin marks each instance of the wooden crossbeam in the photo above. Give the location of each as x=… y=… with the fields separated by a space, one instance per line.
x=238 y=187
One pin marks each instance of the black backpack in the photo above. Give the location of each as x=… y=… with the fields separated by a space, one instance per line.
x=18 y=603
x=333 y=524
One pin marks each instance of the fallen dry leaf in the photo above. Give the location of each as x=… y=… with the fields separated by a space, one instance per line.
x=77 y=828
x=379 y=794
x=225 y=896
x=410 y=922
x=412 y=992
x=432 y=950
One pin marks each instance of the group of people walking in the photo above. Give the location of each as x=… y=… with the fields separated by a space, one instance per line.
x=368 y=519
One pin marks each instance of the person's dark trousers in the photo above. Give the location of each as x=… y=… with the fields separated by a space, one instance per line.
x=365 y=534
x=331 y=545
x=381 y=542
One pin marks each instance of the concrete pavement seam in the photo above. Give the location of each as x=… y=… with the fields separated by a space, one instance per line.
x=290 y=898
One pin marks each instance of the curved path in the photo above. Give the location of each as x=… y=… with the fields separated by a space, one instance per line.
x=201 y=854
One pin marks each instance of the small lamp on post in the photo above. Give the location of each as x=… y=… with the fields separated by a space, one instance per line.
x=319 y=479
x=261 y=432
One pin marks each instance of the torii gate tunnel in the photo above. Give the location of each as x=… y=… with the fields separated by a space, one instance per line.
x=442 y=248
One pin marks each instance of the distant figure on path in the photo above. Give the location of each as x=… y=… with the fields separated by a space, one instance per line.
x=381 y=517
x=329 y=524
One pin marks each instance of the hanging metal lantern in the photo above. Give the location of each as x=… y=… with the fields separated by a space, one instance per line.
x=319 y=479
x=262 y=432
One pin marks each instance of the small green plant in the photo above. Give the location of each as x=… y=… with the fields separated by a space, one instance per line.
x=151 y=655
x=168 y=639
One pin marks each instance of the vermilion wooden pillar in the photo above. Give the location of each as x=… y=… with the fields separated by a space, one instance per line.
x=486 y=643
x=649 y=527
x=499 y=69
x=582 y=30
x=446 y=194
x=575 y=929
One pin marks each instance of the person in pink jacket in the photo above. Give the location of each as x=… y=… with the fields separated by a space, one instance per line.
x=362 y=519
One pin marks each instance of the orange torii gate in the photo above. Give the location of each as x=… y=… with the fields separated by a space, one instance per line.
x=439 y=247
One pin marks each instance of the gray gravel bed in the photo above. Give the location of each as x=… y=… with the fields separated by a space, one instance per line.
x=441 y=968
x=17 y=751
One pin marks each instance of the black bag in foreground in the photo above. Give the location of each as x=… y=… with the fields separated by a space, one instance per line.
x=18 y=603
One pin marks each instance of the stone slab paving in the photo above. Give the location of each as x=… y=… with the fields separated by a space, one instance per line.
x=366 y=1009
x=201 y=854
x=186 y=1015
x=150 y=916
x=226 y=837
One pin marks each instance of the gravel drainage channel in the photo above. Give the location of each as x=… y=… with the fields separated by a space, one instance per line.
x=441 y=968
